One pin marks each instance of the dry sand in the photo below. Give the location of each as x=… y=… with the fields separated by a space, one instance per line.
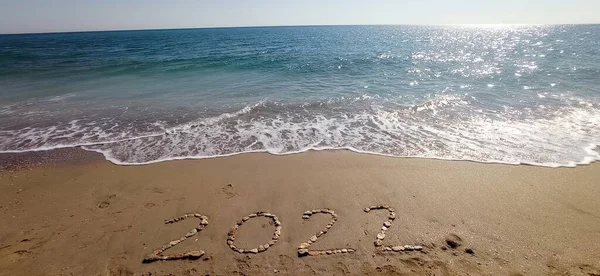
x=90 y=217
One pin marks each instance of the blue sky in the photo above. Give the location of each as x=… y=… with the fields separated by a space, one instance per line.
x=17 y=16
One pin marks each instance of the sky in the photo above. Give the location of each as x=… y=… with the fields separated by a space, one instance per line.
x=25 y=16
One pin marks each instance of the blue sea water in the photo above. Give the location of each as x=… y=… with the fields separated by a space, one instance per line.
x=509 y=94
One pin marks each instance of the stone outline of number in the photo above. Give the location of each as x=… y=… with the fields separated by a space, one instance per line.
x=260 y=248
x=303 y=247
x=192 y=255
x=386 y=225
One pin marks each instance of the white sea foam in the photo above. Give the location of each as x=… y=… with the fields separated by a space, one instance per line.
x=433 y=129
x=563 y=137
x=445 y=127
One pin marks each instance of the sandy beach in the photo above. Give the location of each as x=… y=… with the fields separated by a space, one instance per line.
x=82 y=215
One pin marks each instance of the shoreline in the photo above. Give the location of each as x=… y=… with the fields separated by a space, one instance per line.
x=72 y=212
x=14 y=160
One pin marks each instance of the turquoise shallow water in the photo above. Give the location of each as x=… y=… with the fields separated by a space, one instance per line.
x=510 y=94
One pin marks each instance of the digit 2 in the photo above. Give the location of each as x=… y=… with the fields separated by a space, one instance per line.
x=386 y=225
x=303 y=248
x=156 y=255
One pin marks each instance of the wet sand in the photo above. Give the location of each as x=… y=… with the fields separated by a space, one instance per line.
x=82 y=215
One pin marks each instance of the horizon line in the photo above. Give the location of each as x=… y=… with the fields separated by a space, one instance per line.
x=306 y=25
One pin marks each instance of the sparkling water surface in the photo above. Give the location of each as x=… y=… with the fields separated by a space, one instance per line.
x=509 y=94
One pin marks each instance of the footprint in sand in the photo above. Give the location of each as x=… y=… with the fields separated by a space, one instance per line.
x=106 y=202
x=453 y=241
x=228 y=190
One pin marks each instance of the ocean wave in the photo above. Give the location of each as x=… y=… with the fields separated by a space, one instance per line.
x=445 y=126
x=561 y=137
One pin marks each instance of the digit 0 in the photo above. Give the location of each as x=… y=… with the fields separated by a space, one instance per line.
x=260 y=248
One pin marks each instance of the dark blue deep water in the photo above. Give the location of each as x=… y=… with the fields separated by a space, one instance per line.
x=511 y=94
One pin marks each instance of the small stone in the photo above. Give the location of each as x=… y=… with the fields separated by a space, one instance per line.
x=350 y=250
x=151 y=258
x=392 y=216
x=254 y=250
x=367 y=209
x=321 y=233
x=383 y=228
x=328 y=226
x=302 y=252
x=229 y=242
x=260 y=214
x=314 y=253
x=329 y=252
x=378 y=243
x=269 y=215
x=261 y=248
x=304 y=245
x=469 y=251
x=344 y=250
x=408 y=248
x=338 y=251
x=387 y=224
x=388 y=248
x=204 y=222
x=173 y=243
x=239 y=223
x=398 y=248
x=191 y=233
x=245 y=218
x=307 y=213
x=252 y=215
x=305 y=217
x=391 y=209
x=272 y=242
x=232 y=231
x=277 y=223
x=233 y=247
x=240 y=250
x=444 y=248
x=266 y=246
x=315 y=211
x=418 y=248
x=313 y=238
x=195 y=254
x=380 y=236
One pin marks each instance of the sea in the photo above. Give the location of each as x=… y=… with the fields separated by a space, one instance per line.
x=488 y=93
